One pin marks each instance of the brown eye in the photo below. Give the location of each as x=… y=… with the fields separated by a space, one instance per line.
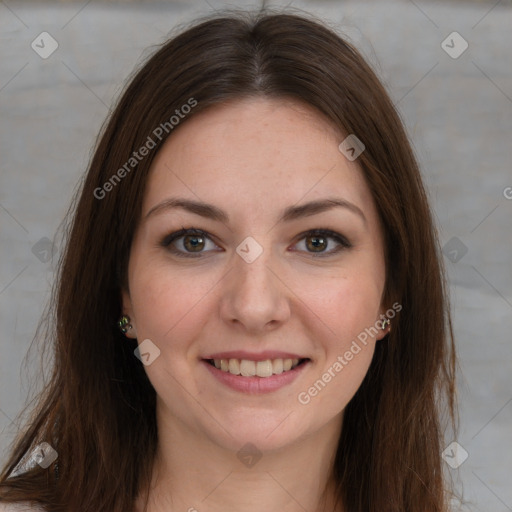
x=189 y=243
x=318 y=240
x=193 y=243
x=316 y=243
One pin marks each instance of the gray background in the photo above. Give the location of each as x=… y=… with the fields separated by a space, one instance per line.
x=458 y=112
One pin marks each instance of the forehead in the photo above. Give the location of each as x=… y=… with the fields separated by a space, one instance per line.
x=255 y=156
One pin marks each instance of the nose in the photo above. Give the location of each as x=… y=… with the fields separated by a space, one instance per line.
x=255 y=298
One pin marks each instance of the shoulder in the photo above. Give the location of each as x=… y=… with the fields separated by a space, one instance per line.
x=22 y=506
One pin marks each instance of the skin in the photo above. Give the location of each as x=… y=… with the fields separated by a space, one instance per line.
x=253 y=158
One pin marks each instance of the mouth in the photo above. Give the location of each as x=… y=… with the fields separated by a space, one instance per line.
x=262 y=373
x=250 y=368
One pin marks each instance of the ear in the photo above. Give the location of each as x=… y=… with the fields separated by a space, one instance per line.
x=127 y=309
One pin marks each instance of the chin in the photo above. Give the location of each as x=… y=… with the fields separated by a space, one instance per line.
x=273 y=432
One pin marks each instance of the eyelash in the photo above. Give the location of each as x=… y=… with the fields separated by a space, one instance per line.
x=169 y=239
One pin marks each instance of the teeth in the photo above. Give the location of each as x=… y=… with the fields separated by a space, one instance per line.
x=234 y=366
x=277 y=366
x=264 y=368
x=248 y=368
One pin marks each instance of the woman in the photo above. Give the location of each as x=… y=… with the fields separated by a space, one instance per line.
x=251 y=311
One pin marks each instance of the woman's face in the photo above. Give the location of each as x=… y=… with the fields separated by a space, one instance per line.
x=253 y=288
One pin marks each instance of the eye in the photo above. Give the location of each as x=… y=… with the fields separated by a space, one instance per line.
x=190 y=242
x=316 y=241
x=187 y=243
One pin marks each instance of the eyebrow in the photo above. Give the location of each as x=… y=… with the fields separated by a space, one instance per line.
x=210 y=211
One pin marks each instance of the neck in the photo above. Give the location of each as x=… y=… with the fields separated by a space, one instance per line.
x=192 y=473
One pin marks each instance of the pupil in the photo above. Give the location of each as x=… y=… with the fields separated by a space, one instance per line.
x=316 y=244
x=193 y=240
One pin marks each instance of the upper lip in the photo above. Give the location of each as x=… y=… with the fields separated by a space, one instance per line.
x=252 y=356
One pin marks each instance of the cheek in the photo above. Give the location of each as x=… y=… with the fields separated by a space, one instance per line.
x=167 y=305
x=347 y=305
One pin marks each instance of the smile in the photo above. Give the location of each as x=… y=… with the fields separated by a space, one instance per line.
x=248 y=368
x=255 y=377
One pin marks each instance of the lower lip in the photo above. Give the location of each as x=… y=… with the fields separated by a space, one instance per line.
x=256 y=385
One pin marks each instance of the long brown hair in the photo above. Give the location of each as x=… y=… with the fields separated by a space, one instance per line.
x=98 y=409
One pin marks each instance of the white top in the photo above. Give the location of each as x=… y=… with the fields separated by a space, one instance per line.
x=22 y=506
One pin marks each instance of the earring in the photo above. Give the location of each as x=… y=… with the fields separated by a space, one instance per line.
x=386 y=323
x=124 y=324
